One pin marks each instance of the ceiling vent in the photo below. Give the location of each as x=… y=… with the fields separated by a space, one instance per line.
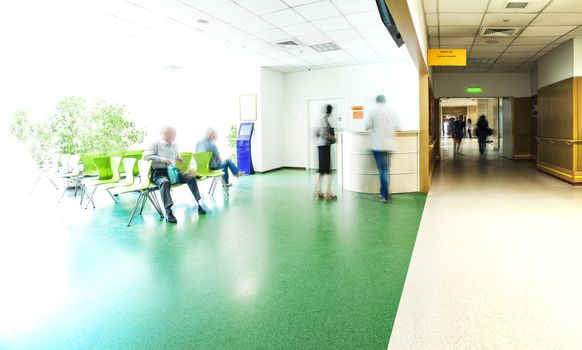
x=288 y=44
x=331 y=46
x=503 y=32
x=516 y=4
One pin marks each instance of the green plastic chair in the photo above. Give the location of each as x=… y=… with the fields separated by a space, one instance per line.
x=202 y=160
x=129 y=179
x=113 y=169
x=74 y=176
x=89 y=168
x=103 y=165
x=143 y=187
x=137 y=155
x=186 y=160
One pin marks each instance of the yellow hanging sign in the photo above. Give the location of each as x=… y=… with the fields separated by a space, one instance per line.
x=447 y=57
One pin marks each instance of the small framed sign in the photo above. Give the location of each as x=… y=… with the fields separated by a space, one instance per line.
x=248 y=107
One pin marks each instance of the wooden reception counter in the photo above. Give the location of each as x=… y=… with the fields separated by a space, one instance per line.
x=356 y=167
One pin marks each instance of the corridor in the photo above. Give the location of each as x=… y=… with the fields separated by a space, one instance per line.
x=497 y=260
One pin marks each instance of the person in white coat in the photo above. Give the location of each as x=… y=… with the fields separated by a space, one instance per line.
x=383 y=122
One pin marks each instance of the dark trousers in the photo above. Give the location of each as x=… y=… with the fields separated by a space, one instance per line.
x=161 y=179
x=382 y=161
x=482 y=145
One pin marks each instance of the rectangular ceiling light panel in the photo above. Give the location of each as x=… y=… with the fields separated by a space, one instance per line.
x=516 y=4
x=325 y=47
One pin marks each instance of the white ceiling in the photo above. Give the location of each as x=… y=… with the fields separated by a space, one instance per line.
x=542 y=26
x=250 y=28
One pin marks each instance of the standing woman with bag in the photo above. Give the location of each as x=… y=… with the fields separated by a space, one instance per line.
x=326 y=137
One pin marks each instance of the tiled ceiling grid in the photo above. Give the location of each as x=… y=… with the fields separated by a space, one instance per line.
x=541 y=26
x=251 y=28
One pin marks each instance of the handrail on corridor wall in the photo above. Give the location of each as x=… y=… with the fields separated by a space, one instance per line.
x=553 y=140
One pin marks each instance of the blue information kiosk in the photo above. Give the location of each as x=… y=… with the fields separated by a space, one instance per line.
x=243 y=148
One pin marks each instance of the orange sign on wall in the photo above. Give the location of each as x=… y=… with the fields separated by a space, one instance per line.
x=358 y=112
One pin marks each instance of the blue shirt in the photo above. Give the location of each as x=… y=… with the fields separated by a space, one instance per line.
x=205 y=145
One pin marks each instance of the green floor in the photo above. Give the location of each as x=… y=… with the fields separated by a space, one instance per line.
x=269 y=268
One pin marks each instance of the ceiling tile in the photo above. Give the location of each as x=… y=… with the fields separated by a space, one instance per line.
x=577 y=32
x=332 y=24
x=547 y=30
x=564 y=6
x=362 y=51
x=273 y=36
x=352 y=6
x=372 y=31
x=535 y=40
x=229 y=12
x=261 y=7
x=558 y=19
x=301 y=29
x=452 y=69
x=511 y=60
x=352 y=44
x=458 y=31
x=380 y=42
x=318 y=10
x=461 y=40
x=465 y=6
x=432 y=19
x=513 y=19
x=204 y=4
x=364 y=19
x=430 y=6
x=525 y=48
x=521 y=55
x=433 y=31
x=434 y=41
x=491 y=48
x=550 y=47
x=533 y=6
x=284 y=18
x=294 y=3
x=347 y=34
x=314 y=39
x=280 y=55
x=563 y=39
x=480 y=54
x=253 y=25
x=480 y=40
x=460 y=19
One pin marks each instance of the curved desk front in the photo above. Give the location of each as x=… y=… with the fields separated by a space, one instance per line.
x=356 y=167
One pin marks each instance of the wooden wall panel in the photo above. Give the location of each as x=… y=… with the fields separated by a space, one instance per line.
x=555 y=115
x=522 y=145
x=578 y=106
x=454 y=111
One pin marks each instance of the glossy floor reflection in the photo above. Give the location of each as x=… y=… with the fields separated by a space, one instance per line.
x=268 y=268
x=497 y=260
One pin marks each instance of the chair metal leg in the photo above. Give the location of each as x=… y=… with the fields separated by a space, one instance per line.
x=62 y=195
x=112 y=196
x=53 y=182
x=137 y=203
x=224 y=186
x=157 y=204
x=91 y=197
x=143 y=202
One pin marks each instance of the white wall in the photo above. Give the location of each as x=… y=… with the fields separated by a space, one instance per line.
x=493 y=84
x=578 y=57
x=557 y=65
x=534 y=82
x=269 y=154
x=360 y=85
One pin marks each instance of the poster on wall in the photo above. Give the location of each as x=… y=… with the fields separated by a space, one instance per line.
x=357 y=112
x=248 y=107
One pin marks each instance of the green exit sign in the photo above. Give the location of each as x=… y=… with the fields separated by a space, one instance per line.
x=474 y=90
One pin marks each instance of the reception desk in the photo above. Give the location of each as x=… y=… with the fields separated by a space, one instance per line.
x=356 y=167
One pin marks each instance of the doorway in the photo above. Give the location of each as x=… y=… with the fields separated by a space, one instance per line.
x=469 y=110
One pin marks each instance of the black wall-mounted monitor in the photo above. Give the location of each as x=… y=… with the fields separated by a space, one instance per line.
x=389 y=22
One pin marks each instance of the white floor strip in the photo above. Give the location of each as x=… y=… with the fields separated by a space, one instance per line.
x=497 y=262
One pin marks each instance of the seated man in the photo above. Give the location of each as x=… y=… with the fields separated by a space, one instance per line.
x=162 y=154
x=208 y=145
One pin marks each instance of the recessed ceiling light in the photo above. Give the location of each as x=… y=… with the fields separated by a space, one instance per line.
x=172 y=67
x=516 y=4
x=331 y=46
x=202 y=21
